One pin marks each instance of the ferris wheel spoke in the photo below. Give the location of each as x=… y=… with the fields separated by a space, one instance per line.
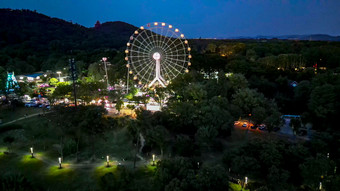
x=139 y=52
x=168 y=69
x=142 y=44
x=153 y=39
x=170 y=65
x=175 y=52
x=146 y=40
x=137 y=64
x=148 y=71
x=145 y=70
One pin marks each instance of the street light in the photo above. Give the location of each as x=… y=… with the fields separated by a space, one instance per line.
x=59 y=75
x=59 y=159
x=32 y=152
x=104 y=59
x=107 y=161
x=153 y=160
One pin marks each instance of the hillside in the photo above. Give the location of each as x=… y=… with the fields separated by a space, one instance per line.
x=37 y=41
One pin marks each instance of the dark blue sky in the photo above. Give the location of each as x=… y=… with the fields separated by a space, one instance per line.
x=200 y=18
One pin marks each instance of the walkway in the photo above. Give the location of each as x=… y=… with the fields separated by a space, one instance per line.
x=21 y=118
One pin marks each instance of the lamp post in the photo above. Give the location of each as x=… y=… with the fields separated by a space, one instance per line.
x=32 y=152
x=249 y=120
x=153 y=160
x=107 y=161
x=59 y=160
x=104 y=59
x=58 y=72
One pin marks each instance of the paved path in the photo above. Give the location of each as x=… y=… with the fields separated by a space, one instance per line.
x=21 y=118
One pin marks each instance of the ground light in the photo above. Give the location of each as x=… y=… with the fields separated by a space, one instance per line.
x=59 y=160
x=108 y=161
x=32 y=152
x=153 y=160
x=320 y=186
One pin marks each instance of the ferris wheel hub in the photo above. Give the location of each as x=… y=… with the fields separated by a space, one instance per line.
x=156 y=56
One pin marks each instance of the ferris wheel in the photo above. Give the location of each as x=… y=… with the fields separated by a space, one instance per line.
x=157 y=53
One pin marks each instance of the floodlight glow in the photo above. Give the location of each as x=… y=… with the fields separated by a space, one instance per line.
x=246 y=180
x=153 y=159
x=108 y=160
x=58 y=72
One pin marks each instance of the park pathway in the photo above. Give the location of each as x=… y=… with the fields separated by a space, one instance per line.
x=22 y=118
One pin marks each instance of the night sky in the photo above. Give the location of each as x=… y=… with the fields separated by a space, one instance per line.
x=200 y=18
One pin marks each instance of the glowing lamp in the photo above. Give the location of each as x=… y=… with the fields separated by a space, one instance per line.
x=107 y=161
x=189 y=56
x=32 y=152
x=163 y=24
x=136 y=32
x=170 y=26
x=189 y=49
x=104 y=59
x=189 y=63
x=186 y=71
x=139 y=82
x=126 y=51
x=176 y=30
x=135 y=77
x=59 y=160
x=127 y=65
x=128 y=44
x=182 y=35
x=126 y=58
x=185 y=42
x=246 y=180
x=130 y=72
x=153 y=159
x=142 y=28
x=155 y=23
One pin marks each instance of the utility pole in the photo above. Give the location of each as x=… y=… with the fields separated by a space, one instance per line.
x=74 y=78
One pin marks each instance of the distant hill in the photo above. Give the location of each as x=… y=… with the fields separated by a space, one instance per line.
x=37 y=29
x=30 y=41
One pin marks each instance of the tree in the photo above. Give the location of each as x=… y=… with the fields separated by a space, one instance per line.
x=53 y=81
x=314 y=169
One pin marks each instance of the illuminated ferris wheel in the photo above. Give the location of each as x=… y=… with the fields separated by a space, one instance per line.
x=157 y=53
